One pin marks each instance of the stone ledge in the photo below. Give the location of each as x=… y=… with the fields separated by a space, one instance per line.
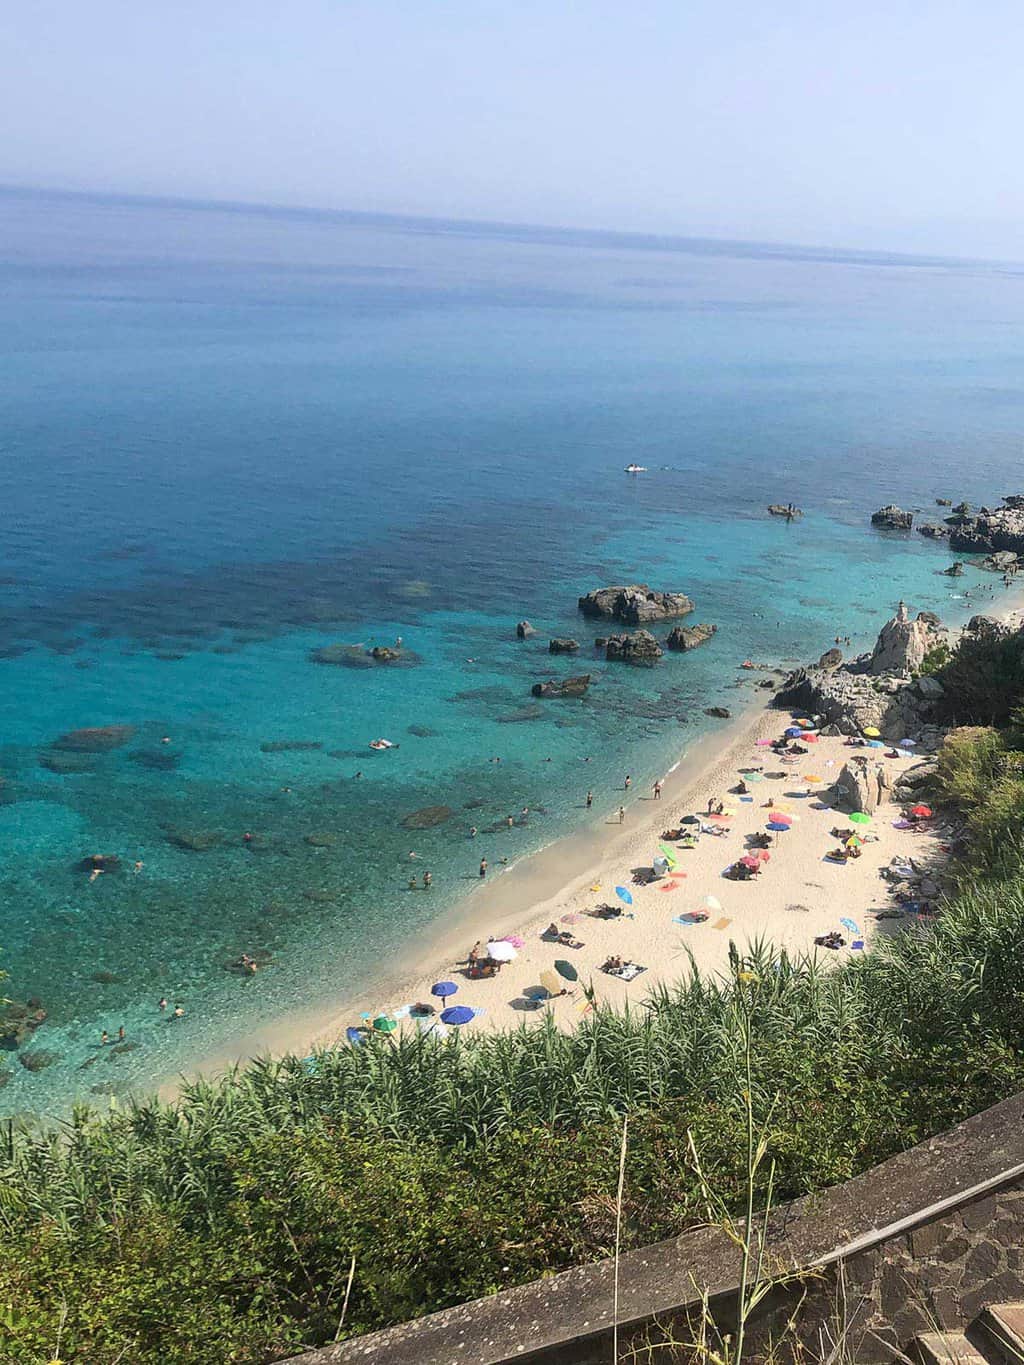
x=565 y=1319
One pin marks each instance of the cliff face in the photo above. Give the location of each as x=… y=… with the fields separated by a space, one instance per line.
x=902 y=644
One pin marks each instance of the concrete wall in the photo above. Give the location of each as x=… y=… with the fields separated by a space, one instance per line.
x=927 y=1237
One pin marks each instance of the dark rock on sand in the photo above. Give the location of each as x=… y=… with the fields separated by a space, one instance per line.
x=689 y=637
x=38 y=1059
x=892 y=518
x=563 y=646
x=194 y=840
x=785 y=509
x=635 y=604
x=719 y=712
x=66 y=764
x=524 y=630
x=101 y=862
x=984 y=625
x=286 y=746
x=428 y=817
x=638 y=648
x=95 y=739
x=832 y=658
x=562 y=687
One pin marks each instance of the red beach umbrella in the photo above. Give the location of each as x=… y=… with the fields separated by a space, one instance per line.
x=923 y=812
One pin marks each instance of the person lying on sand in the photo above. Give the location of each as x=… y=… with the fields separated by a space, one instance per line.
x=832 y=940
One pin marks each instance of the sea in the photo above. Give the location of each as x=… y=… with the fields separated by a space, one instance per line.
x=231 y=436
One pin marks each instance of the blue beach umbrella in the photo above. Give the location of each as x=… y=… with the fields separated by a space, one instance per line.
x=354 y=1036
x=623 y=895
x=443 y=988
x=793 y=731
x=849 y=924
x=778 y=826
x=875 y=744
x=458 y=1014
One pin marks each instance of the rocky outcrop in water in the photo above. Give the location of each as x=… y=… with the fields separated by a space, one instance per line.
x=932 y=531
x=640 y=647
x=719 y=712
x=635 y=604
x=562 y=687
x=57 y=762
x=1003 y=561
x=892 y=518
x=286 y=746
x=991 y=530
x=563 y=646
x=95 y=739
x=356 y=656
x=690 y=637
x=955 y=569
x=524 y=630
x=902 y=643
x=785 y=509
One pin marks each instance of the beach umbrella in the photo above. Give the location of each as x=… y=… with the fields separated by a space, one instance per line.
x=849 y=924
x=793 y=731
x=712 y=902
x=859 y=817
x=752 y=777
x=907 y=743
x=458 y=1014
x=872 y=731
x=551 y=981
x=810 y=737
x=764 y=856
x=748 y=860
x=443 y=988
x=385 y=1025
x=567 y=970
x=921 y=811
x=500 y=950
x=777 y=827
x=670 y=854
x=781 y=817
x=763 y=743
x=853 y=842
x=624 y=895
x=813 y=777
x=875 y=744
x=354 y=1036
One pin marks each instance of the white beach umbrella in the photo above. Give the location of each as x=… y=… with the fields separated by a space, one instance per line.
x=498 y=950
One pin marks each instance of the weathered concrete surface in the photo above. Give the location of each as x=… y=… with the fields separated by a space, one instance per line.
x=938 y=1230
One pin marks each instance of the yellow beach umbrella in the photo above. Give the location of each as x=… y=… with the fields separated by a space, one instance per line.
x=872 y=731
x=813 y=777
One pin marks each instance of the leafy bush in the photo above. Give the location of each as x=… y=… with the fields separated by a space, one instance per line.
x=984 y=678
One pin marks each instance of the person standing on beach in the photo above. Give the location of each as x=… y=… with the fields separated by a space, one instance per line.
x=590 y=799
x=657 y=790
x=483 y=867
x=622 y=814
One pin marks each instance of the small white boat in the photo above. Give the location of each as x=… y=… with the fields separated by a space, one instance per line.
x=382 y=744
x=635 y=469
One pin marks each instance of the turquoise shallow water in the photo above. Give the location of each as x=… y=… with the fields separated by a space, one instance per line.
x=229 y=438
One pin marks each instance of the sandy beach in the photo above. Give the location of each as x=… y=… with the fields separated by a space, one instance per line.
x=798 y=896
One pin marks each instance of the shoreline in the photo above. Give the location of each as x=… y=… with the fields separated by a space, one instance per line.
x=558 y=879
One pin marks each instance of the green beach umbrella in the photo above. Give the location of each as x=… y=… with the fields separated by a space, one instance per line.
x=669 y=854
x=859 y=818
x=567 y=970
x=385 y=1025
x=752 y=777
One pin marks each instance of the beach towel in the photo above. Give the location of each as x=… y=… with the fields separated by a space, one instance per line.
x=857 y=943
x=629 y=972
x=671 y=886
x=571 y=919
x=694 y=917
x=748 y=799
x=721 y=924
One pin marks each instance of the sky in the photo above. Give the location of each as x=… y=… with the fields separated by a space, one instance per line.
x=884 y=124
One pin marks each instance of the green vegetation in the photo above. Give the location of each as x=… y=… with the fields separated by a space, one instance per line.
x=225 y=1228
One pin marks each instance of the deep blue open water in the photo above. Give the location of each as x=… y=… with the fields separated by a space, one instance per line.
x=230 y=436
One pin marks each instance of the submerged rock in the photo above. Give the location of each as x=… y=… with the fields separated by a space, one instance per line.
x=422 y=732
x=428 y=817
x=194 y=840
x=285 y=746
x=66 y=764
x=562 y=687
x=689 y=637
x=524 y=713
x=38 y=1059
x=317 y=840
x=160 y=759
x=892 y=518
x=95 y=739
x=563 y=646
x=635 y=604
x=638 y=648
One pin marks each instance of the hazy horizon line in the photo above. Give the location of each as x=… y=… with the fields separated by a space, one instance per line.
x=528 y=232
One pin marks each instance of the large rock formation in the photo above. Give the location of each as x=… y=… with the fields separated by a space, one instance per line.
x=880 y=689
x=639 y=648
x=892 y=518
x=860 y=786
x=635 y=605
x=564 y=687
x=902 y=644
x=991 y=530
x=932 y=531
x=563 y=646
x=689 y=637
